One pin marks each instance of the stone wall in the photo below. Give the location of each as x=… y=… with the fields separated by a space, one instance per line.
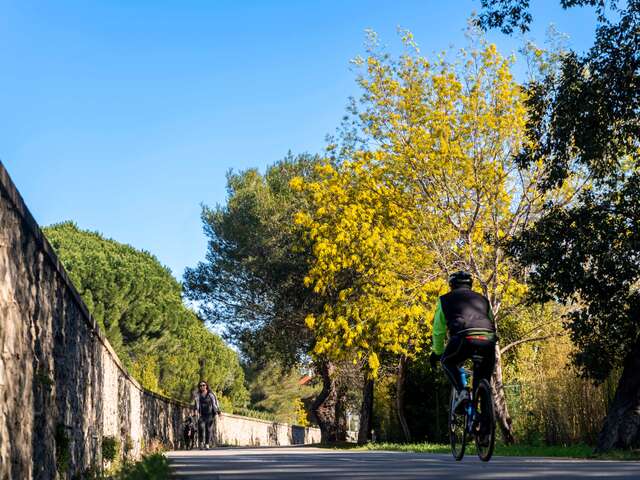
x=237 y=430
x=62 y=387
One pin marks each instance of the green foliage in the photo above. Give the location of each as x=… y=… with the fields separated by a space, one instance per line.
x=385 y=419
x=251 y=280
x=63 y=451
x=138 y=304
x=605 y=326
x=110 y=448
x=151 y=467
x=129 y=293
x=573 y=451
x=276 y=391
x=199 y=353
x=587 y=122
x=146 y=369
x=552 y=404
x=426 y=401
x=250 y=412
x=509 y=15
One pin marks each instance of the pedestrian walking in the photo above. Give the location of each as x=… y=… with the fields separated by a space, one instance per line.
x=207 y=407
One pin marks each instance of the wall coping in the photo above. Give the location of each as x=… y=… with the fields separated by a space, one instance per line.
x=262 y=420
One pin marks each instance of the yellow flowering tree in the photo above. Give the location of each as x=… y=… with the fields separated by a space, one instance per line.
x=366 y=263
x=440 y=190
x=449 y=134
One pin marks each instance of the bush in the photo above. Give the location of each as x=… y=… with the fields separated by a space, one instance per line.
x=426 y=401
x=63 y=451
x=551 y=404
x=276 y=391
x=110 y=449
x=385 y=418
x=151 y=467
x=248 y=412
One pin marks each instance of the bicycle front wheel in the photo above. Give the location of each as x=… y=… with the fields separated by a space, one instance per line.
x=457 y=429
x=485 y=421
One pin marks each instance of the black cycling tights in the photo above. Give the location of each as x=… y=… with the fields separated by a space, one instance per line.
x=460 y=348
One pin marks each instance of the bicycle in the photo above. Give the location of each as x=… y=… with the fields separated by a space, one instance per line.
x=476 y=420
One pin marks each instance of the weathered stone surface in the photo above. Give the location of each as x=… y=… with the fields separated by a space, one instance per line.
x=237 y=430
x=61 y=384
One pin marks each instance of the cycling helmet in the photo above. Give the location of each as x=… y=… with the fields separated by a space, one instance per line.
x=460 y=279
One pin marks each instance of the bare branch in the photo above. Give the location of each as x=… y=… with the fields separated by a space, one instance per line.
x=531 y=339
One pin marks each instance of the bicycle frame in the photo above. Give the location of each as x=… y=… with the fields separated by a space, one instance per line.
x=478 y=421
x=471 y=411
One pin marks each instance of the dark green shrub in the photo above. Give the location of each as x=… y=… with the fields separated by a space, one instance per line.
x=63 y=451
x=151 y=467
x=110 y=449
x=128 y=446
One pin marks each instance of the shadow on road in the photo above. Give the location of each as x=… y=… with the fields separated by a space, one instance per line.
x=314 y=463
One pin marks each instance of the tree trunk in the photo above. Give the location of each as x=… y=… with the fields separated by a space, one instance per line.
x=500 y=401
x=324 y=406
x=402 y=364
x=341 y=414
x=438 y=434
x=203 y=364
x=621 y=427
x=366 y=412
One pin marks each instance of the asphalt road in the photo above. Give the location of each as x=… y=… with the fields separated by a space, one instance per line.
x=316 y=463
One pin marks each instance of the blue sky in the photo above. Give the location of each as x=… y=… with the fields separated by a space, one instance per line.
x=125 y=115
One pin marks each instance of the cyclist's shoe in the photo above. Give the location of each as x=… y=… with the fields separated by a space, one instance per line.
x=461 y=401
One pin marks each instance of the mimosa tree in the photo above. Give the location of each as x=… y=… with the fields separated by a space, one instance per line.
x=443 y=181
x=366 y=260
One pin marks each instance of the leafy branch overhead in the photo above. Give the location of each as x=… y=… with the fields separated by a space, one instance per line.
x=586 y=253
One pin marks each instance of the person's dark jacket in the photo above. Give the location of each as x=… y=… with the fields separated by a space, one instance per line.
x=208 y=405
x=460 y=309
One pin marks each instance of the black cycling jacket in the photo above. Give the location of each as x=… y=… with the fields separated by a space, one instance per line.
x=461 y=309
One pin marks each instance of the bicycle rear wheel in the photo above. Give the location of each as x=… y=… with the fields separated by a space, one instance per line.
x=485 y=423
x=457 y=429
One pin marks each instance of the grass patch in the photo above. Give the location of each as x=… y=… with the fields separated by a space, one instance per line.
x=408 y=447
x=151 y=467
x=619 y=455
x=570 y=451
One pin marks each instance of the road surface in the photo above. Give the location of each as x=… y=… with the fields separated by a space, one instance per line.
x=268 y=463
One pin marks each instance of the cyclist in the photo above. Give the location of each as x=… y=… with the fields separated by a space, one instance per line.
x=468 y=317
